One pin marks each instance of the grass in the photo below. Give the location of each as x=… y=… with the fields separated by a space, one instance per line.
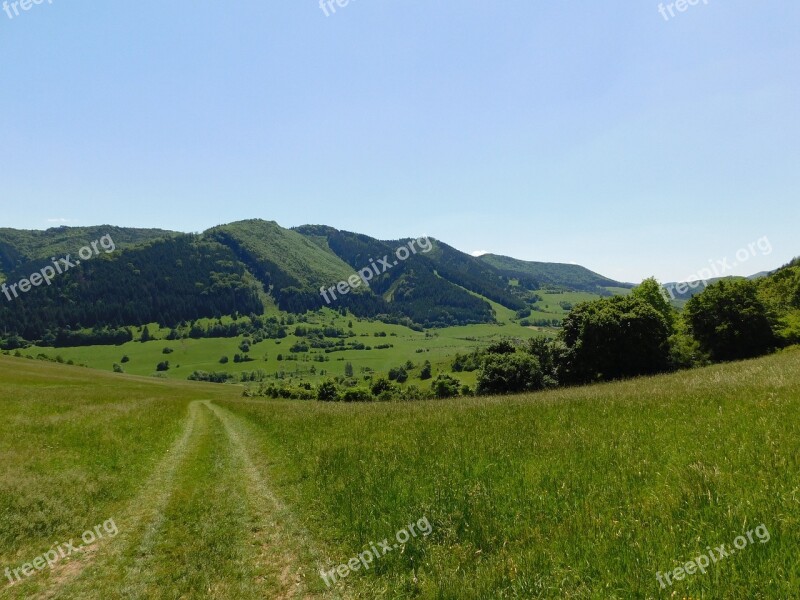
x=439 y=346
x=573 y=493
x=580 y=493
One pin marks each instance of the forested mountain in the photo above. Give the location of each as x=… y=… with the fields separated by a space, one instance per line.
x=167 y=281
x=168 y=277
x=537 y=275
x=18 y=247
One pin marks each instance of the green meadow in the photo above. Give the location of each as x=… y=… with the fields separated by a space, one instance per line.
x=439 y=346
x=574 y=493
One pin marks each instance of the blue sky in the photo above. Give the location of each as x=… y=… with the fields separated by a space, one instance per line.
x=588 y=132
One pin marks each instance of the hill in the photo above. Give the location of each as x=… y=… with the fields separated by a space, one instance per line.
x=563 y=494
x=538 y=275
x=157 y=276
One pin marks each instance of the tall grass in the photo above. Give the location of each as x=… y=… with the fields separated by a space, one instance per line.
x=576 y=493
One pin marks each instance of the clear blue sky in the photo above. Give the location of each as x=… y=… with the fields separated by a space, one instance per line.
x=583 y=131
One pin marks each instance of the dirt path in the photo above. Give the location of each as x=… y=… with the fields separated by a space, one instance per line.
x=205 y=524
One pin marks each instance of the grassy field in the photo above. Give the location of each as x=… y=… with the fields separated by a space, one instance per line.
x=575 y=493
x=439 y=346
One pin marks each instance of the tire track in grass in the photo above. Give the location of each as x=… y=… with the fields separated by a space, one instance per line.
x=145 y=512
x=201 y=549
x=287 y=550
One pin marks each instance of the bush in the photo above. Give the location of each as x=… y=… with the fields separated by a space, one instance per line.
x=425 y=372
x=400 y=375
x=445 y=386
x=167 y=351
x=117 y=368
x=223 y=360
x=125 y=359
x=327 y=392
x=729 y=321
x=357 y=395
x=382 y=386
x=162 y=366
x=213 y=377
x=510 y=374
x=613 y=338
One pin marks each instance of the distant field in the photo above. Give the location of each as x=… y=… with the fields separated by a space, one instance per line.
x=439 y=346
x=575 y=493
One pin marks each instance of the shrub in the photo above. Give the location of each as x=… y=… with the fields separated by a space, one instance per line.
x=509 y=374
x=445 y=386
x=729 y=321
x=327 y=392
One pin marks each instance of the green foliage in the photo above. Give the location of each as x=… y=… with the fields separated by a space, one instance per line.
x=501 y=347
x=652 y=292
x=614 y=338
x=729 y=321
x=509 y=374
x=166 y=281
x=425 y=372
x=445 y=386
x=382 y=387
x=537 y=275
x=327 y=391
x=780 y=293
x=210 y=376
x=398 y=374
x=356 y=394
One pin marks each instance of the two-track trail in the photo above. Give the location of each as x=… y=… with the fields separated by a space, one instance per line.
x=205 y=524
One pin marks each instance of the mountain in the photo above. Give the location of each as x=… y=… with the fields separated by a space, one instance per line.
x=154 y=275
x=681 y=291
x=20 y=247
x=538 y=275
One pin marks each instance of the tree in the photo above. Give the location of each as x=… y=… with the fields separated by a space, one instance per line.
x=652 y=292
x=146 y=337
x=729 y=321
x=501 y=347
x=548 y=352
x=327 y=392
x=613 y=338
x=425 y=373
x=445 y=386
x=348 y=369
x=509 y=374
x=382 y=386
x=398 y=374
x=163 y=366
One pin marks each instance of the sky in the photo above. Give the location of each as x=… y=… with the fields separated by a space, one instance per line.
x=606 y=134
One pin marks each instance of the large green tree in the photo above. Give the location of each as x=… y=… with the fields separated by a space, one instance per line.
x=613 y=338
x=509 y=374
x=652 y=292
x=730 y=321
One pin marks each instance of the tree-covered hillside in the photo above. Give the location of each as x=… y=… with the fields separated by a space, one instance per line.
x=539 y=275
